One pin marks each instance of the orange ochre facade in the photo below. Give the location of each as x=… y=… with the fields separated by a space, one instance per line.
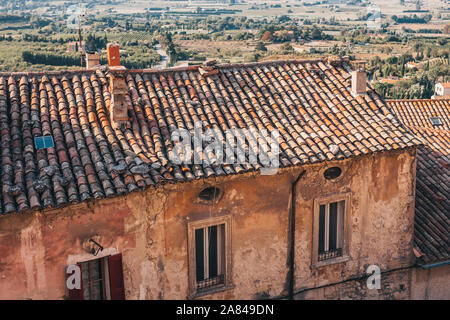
x=150 y=229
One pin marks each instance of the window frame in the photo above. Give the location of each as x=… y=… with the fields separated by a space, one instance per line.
x=104 y=279
x=436 y=121
x=345 y=236
x=113 y=285
x=201 y=224
x=44 y=142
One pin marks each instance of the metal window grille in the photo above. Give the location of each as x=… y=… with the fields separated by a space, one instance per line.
x=210 y=256
x=331 y=230
x=330 y=254
x=211 y=282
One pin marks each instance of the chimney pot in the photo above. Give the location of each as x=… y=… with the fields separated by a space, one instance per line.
x=113 y=54
x=359 y=82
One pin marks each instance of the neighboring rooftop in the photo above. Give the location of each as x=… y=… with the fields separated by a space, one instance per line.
x=309 y=102
x=421 y=113
x=445 y=84
x=432 y=217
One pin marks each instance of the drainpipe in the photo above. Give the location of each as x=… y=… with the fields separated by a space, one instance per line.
x=291 y=241
x=437 y=264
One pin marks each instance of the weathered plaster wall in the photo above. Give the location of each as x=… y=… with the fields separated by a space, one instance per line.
x=36 y=247
x=431 y=284
x=258 y=207
x=393 y=286
x=382 y=218
x=150 y=229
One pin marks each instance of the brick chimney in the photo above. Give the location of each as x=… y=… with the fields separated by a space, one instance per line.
x=113 y=54
x=92 y=60
x=359 y=82
x=118 y=110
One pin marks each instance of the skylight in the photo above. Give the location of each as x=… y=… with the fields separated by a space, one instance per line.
x=436 y=121
x=44 y=142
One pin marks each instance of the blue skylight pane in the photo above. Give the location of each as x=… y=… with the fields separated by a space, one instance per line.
x=48 y=142
x=44 y=142
x=436 y=121
x=39 y=142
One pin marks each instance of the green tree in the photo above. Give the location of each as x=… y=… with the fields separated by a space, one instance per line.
x=260 y=47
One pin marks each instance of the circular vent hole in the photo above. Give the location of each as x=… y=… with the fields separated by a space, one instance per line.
x=209 y=194
x=332 y=173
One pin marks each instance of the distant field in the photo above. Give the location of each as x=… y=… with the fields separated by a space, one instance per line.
x=345 y=27
x=212 y=45
x=256 y=8
x=11 y=57
x=340 y=10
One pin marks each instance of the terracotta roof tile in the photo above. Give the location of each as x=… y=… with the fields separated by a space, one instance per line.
x=432 y=216
x=309 y=102
x=417 y=113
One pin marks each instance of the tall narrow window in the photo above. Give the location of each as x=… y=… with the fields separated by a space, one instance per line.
x=94 y=277
x=330 y=231
x=209 y=255
x=101 y=279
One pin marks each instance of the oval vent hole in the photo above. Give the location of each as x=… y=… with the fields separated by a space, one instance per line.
x=332 y=173
x=209 y=194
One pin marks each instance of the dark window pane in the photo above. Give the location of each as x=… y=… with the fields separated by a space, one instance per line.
x=95 y=270
x=86 y=288
x=341 y=213
x=222 y=248
x=212 y=248
x=48 y=142
x=85 y=280
x=97 y=290
x=199 y=263
x=332 y=173
x=92 y=277
x=209 y=194
x=43 y=142
x=39 y=142
x=333 y=225
x=85 y=272
x=321 y=228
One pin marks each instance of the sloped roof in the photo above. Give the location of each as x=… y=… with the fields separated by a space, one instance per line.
x=445 y=84
x=432 y=212
x=417 y=113
x=309 y=102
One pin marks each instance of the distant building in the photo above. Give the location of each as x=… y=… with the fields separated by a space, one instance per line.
x=359 y=64
x=413 y=65
x=442 y=90
x=268 y=36
x=74 y=46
